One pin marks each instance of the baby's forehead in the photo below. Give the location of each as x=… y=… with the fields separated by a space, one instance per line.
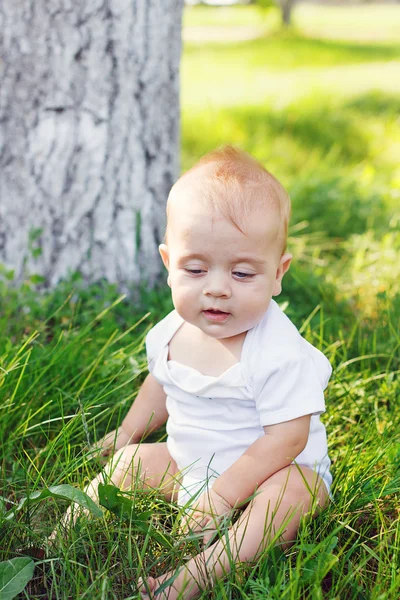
x=236 y=204
x=226 y=188
x=237 y=190
x=198 y=220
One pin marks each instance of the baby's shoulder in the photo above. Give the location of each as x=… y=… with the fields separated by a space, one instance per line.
x=276 y=332
x=160 y=335
x=278 y=348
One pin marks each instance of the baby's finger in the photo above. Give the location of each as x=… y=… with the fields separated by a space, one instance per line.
x=211 y=527
x=209 y=533
x=193 y=522
x=146 y=587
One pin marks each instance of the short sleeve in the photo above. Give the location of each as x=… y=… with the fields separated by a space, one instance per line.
x=151 y=349
x=159 y=337
x=293 y=387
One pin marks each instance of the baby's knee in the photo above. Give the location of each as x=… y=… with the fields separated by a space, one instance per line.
x=122 y=461
x=133 y=459
x=148 y=465
x=293 y=489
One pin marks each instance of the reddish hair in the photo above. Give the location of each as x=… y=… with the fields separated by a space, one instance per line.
x=233 y=183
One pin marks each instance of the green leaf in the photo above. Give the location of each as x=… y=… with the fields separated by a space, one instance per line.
x=62 y=492
x=108 y=496
x=115 y=501
x=112 y=498
x=14 y=575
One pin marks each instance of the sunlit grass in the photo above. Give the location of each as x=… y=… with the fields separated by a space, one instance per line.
x=280 y=74
x=279 y=68
x=229 y=16
x=374 y=22
x=378 y=22
x=347 y=549
x=321 y=114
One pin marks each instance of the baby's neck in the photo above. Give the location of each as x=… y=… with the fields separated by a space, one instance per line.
x=211 y=356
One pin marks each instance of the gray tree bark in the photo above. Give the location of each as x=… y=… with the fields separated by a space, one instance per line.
x=89 y=136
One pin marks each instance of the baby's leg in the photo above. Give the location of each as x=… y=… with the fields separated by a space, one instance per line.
x=147 y=465
x=273 y=515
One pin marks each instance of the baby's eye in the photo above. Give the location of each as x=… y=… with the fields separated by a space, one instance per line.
x=195 y=271
x=241 y=275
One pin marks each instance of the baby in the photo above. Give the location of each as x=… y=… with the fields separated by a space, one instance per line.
x=240 y=389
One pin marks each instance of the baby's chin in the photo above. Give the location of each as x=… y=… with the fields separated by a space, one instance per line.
x=220 y=330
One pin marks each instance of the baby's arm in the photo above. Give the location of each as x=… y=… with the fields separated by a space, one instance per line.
x=147 y=413
x=280 y=445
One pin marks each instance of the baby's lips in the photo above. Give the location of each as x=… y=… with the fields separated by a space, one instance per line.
x=216 y=316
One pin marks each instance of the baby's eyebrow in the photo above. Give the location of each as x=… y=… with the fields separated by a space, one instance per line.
x=190 y=256
x=235 y=260
x=249 y=259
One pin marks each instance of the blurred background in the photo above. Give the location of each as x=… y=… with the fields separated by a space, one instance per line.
x=317 y=101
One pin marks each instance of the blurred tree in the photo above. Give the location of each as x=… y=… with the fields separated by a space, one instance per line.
x=285 y=6
x=89 y=136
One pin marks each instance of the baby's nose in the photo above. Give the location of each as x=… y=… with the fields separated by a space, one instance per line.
x=217 y=286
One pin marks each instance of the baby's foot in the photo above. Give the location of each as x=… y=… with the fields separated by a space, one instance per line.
x=183 y=586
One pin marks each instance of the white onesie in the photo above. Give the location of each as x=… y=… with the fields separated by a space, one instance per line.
x=213 y=420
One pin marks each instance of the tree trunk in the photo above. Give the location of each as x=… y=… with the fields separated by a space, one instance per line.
x=89 y=136
x=286 y=8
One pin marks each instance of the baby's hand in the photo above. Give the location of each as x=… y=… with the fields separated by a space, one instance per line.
x=111 y=441
x=206 y=514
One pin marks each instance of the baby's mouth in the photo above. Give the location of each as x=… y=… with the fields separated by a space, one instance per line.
x=218 y=316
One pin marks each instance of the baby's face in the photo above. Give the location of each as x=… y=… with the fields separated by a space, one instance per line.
x=222 y=280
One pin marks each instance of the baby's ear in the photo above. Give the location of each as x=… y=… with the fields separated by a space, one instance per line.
x=283 y=268
x=163 y=250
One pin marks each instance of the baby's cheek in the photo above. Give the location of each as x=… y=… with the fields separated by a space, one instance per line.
x=182 y=297
x=257 y=309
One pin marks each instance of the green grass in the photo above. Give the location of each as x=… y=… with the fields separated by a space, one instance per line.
x=279 y=70
x=322 y=114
